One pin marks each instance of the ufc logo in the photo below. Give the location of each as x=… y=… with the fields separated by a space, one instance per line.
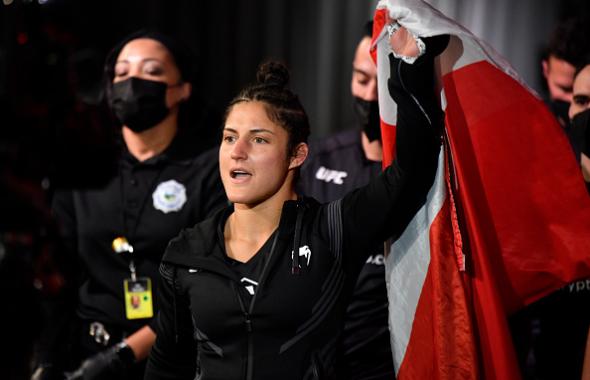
x=328 y=175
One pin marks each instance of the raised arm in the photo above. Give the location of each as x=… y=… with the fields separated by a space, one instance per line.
x=384 y=207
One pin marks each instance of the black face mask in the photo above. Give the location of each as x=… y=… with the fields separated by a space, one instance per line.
x=579 y=133
x=560 y=109
x=139 y=104
x=368 y=116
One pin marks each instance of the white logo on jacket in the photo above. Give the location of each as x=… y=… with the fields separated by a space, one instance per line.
x=250 y=285
x=169 y=196
x=376 y=260
x=329 y=175
x=305 y=252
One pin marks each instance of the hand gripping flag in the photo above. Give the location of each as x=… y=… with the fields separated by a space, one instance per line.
x=505 y=223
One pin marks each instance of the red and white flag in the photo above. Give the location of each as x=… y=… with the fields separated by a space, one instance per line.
x=508 y=195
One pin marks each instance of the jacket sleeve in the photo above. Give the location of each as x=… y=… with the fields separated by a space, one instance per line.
x=174 y=355
x=384 y=207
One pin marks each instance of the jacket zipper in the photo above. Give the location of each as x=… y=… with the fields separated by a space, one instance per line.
x=248 y=312
x=316 y=366
x=248 y=323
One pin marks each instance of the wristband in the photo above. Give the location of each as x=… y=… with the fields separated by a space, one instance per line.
x=125 y=353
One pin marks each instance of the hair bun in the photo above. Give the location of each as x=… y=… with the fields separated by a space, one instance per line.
x=273 y=73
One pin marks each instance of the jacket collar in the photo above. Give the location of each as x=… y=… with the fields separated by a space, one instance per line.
x=203 y=246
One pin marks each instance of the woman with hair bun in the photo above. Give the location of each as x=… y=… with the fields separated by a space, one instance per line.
x=259 y=291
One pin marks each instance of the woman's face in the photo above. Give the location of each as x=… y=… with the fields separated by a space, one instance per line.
x=148 y=59
x=253 y=157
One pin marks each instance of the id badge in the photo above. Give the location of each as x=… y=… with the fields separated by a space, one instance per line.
x=138 y=298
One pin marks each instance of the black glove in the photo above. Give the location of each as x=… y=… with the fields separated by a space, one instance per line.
x=108 y=365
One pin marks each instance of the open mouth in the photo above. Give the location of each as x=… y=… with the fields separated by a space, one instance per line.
x=239 y=174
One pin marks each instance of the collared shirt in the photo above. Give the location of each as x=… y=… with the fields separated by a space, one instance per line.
x=146 y=202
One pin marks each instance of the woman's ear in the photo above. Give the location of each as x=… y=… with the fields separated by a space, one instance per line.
x=187 y=89
x=299 y=155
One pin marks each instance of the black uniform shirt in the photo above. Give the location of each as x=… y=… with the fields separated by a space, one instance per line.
x=147 y=202
x=337 y=165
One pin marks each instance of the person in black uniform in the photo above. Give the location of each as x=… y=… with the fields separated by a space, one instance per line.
x=337 y=165
x=118 y=232
x=580 y=118
x=554 y=328
x=260 y=290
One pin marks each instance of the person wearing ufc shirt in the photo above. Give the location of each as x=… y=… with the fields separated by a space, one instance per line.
x=337 y=165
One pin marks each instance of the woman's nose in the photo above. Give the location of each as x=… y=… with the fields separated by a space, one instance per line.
x=239 y=150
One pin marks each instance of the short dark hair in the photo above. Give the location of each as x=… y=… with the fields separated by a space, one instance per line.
x=570 y=41
x=368 y=29
x=583 y=63
x=282 y=105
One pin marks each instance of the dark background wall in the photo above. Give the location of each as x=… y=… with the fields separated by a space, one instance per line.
x=52 y=124
x=54 y=130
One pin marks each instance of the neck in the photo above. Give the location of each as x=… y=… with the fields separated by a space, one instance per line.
x=149 y=143
x=250 y=226
x=373 y=149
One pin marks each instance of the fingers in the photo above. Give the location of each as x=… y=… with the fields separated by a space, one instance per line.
x=401 y=41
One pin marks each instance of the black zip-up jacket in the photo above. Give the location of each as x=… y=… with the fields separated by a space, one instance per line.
x=291 y=327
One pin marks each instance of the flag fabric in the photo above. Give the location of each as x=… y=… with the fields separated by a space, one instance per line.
x=508 y=205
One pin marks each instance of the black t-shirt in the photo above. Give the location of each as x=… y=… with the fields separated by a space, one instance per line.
x=336 y=166
x=250 y=271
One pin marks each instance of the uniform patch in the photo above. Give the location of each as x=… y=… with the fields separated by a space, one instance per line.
x=169 y=196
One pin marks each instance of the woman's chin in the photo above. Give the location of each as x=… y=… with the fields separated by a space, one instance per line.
x=241 y=199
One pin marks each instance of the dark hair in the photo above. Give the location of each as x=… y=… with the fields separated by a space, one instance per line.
x=582 y=64
x=570 y=41
x=282 y=105
x=368 y=29
x=180 y=53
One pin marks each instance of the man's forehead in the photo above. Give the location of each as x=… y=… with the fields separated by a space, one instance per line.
x=582 y=82
x=362 y=58
x=561 y=67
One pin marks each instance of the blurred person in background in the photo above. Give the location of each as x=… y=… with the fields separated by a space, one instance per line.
x=554 y=329
x=579 y=114
x=568 y=45
x=115 y=234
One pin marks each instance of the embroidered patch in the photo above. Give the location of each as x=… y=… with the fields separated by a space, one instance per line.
x=169 y=196
x=250 y=285
x=304 y=252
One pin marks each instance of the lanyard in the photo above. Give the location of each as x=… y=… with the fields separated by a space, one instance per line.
x=124 y=244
